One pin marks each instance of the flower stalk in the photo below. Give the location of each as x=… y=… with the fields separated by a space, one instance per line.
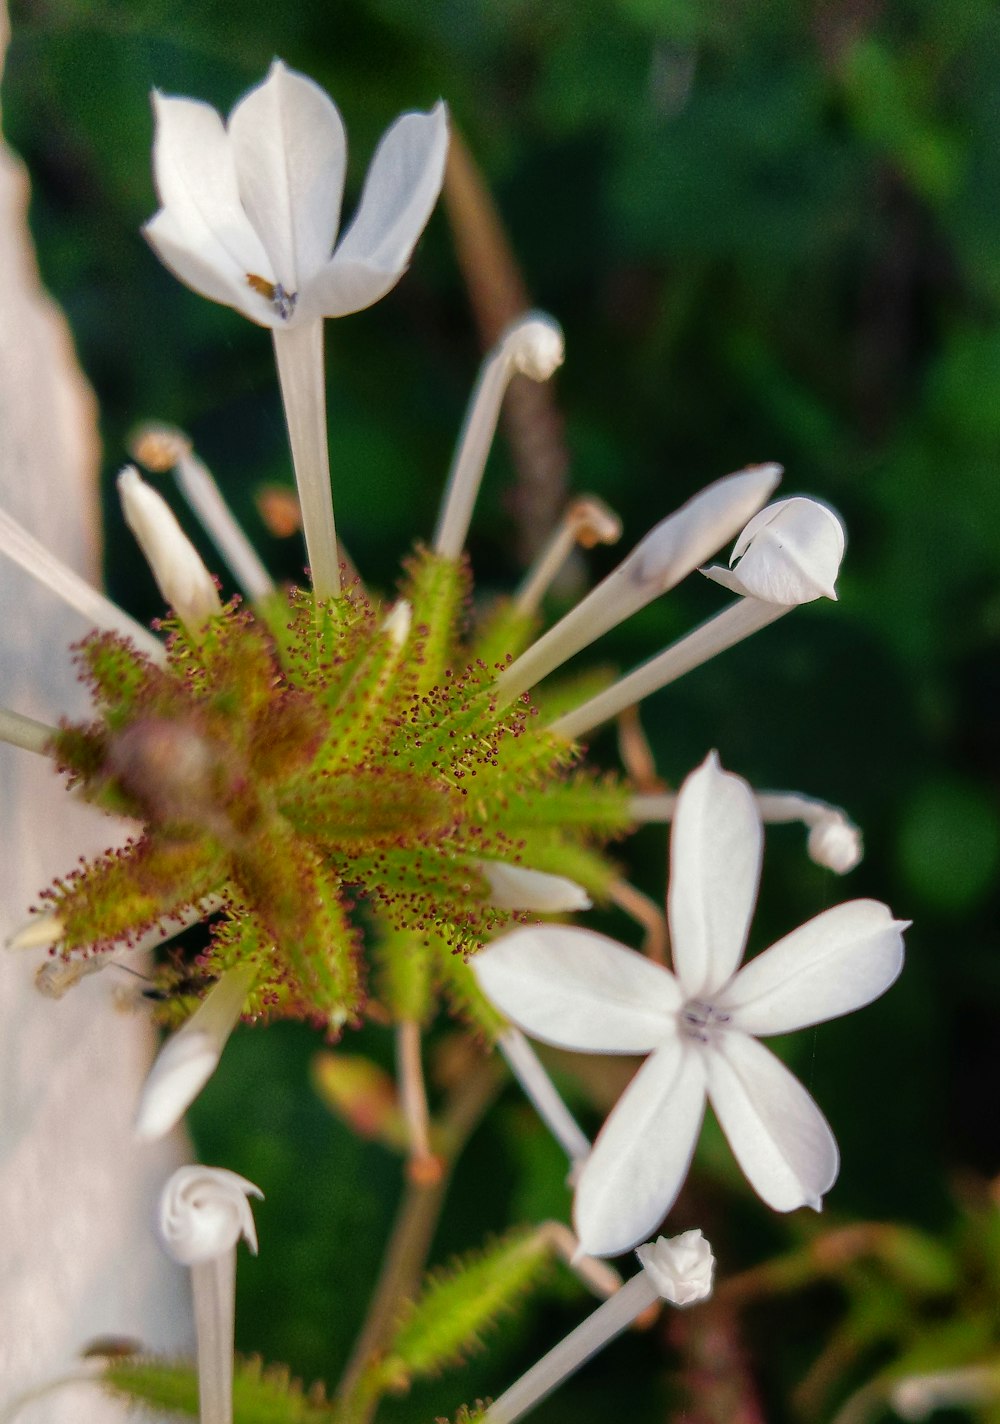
x=726 y=629
x=25 y=550
x=203 y=1213
x=25 y=732
x=298 y=352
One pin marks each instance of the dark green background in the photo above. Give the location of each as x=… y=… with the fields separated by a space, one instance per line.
x=770 y=232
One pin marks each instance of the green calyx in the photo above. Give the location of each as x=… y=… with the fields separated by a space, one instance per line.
x=333 y=755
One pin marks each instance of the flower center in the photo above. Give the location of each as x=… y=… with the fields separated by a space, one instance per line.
x=699 y=1020
x=282 y=301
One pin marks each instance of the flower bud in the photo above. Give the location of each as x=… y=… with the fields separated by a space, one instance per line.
x=789 y=553
x=535 y=346
x=203 y=1213
x=180 y=575
x=512 y=887
x=680 y=1267
x=835 y=843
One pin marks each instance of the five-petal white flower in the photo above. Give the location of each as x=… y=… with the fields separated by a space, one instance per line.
x=250 y=210
x=579 y=990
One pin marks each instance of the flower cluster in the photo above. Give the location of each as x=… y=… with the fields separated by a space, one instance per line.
x=314 y=764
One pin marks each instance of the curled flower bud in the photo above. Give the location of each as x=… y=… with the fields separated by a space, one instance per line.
x=203 y=1213
x=789 y=553
x=176 y=565
x=835 y=843
x=535 y=346
x=680 y=1267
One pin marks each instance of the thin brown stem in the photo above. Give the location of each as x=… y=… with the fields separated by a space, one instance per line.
x=645 y=912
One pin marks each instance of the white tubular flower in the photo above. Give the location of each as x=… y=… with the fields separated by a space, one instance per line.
x=512 y=887
x=789 y=553
x=250 y=211
x=681 y=1267
x=176 y=565
x=678 y=1271
x=203 y=1213
x=190 y=1056
x=700 y=1024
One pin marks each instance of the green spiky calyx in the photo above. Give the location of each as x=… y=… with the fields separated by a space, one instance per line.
x=327 y=757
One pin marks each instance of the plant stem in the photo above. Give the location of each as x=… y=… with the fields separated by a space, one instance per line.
x=412 y=1234
x=214 y=1286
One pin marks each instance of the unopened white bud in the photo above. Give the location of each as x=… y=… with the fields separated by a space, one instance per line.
x=789 y=553
x=680 y=1267
x=176 y=565
x=835 y=843
x=397 y=622
x=203 y=1213
x=513 y=887
x=40 y=932
x=679 y=543
x=535 y=346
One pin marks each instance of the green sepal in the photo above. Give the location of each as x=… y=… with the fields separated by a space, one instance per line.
x=300 y=904
x=437 y=589
x=456 y=1307
x=349 y=808
x=560 y=695
x=127 y=891
x=261 y=1395
x=598 y=805
x=120 y=677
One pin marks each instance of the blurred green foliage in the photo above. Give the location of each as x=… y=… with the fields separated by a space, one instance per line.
x=771 y=232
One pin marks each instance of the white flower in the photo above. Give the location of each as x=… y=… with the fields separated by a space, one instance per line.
x=579 y=990
x=789 y=553
x=250 y=211
x=680 y=1267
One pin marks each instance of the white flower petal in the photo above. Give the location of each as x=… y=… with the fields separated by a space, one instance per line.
x=577 y=989
x=715 y=856
x=789 y=553
x=401 y=188
x=777 y=1133
x=205 y=268
x=203 y=1213
x=837 y=962
x=290 y=153
x=183 y=1067
x=514 y=887
x=642 y=1154
x=196 y=182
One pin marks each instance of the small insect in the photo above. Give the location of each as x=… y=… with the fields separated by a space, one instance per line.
x=282 y=301
x=194 y=981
